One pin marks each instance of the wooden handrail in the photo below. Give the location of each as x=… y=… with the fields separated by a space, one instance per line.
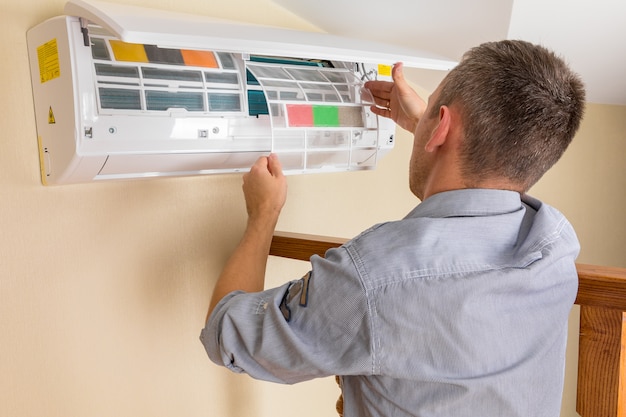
x=601 y=286
x=301 y=246
x=602 y=341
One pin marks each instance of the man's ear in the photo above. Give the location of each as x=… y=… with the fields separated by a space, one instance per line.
x=440 y=132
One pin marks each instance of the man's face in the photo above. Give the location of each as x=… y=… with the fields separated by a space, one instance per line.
x=421 y=161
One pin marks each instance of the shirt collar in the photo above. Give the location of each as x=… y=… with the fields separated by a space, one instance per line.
x=468 y=203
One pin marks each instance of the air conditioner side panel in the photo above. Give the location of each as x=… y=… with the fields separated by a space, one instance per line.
x=54 y=57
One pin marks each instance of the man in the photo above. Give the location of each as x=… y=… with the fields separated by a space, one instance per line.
x=460 y=308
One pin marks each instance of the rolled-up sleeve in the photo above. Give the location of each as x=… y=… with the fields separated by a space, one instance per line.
x=314 y=327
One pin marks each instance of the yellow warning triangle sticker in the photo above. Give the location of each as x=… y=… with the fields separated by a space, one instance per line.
x=51 y=120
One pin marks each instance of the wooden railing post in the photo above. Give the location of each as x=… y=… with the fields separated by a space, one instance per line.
x=602 y=342
x=600 y=358
x=602 y=349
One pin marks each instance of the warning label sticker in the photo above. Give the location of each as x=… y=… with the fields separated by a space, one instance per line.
x=384 y=69
x=48 y=56
x=51 y=119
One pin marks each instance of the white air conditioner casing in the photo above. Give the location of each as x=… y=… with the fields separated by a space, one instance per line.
x=125 y=92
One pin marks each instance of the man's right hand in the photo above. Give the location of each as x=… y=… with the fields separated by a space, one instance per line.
x=265 y=189
x=397 y=100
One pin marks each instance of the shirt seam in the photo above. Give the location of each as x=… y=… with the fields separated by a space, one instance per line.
x=551 y=238
x=436 y=274
x=371 y=308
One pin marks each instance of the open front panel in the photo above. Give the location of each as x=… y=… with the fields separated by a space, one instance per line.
x=169 y=29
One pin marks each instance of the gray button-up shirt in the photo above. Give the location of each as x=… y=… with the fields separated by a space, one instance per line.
x=459 y=309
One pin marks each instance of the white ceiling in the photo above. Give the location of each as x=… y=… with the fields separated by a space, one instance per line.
x=590 y=35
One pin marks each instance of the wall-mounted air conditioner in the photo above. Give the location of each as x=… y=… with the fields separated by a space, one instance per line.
x=127 y=92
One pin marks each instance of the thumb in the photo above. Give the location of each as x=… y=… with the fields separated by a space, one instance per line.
x=274 y=165
x=397 y=74
x=410 y=102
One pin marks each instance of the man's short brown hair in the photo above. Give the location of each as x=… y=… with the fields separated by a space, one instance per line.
x=521 y=106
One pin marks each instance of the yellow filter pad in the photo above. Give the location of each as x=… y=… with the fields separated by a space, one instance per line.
x=129 y=52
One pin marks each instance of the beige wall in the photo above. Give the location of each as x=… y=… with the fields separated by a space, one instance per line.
x=104 y=287
x=589 y=185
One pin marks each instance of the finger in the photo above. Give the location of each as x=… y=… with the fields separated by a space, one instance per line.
x=259 y=166
x=404 y=89
x=379 y=88
x=383 y=102
x=397 y=71
x=397 y=74
x=274 y=166
x=380 y=111
x=410 y=102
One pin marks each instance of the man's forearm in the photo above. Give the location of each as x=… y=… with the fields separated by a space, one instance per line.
x=265 y=190
x=245 y=269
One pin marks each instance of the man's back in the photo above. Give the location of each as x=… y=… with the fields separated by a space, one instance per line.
x=460 y=309
x=469 y=299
